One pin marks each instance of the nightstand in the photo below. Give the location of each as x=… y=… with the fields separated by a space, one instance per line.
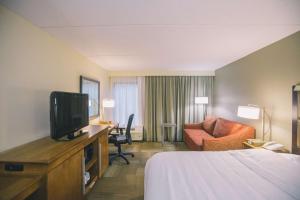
x=250 y=146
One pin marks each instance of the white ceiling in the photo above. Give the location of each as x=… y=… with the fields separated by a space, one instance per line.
x=178 y=35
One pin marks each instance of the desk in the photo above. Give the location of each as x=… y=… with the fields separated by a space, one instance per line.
x=18 y=187
x=60 y=163
x=163 y=126
x=136 y=133
x=111 y=125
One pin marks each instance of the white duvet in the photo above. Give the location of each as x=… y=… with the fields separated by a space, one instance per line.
x=253 y=174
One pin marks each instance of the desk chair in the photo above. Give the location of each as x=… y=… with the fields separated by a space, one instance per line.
x=119 y=139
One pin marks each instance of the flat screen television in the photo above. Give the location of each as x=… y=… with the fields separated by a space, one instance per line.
x=68 y=113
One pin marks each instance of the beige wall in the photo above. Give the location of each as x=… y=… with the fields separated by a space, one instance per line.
x=264 y=78
x=32 y=64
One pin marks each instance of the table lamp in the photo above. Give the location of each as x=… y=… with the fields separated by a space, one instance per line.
x=107 y=103
x=297 y=88
x=202 y=101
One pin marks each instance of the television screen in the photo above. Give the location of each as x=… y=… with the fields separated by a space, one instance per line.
x=68 y=113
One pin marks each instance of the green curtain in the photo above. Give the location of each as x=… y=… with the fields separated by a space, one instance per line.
x=171 y=99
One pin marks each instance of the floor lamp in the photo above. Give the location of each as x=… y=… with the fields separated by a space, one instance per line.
x=202 y=101
x=255 y=112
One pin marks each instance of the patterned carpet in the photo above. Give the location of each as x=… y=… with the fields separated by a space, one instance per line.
x=126 y=182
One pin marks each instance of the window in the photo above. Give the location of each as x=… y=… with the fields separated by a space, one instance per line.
x=127 y=95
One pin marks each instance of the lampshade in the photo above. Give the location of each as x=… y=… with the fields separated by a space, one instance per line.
x=108 y=103
x=249 y=112
x=201 y=100
x=297 y=88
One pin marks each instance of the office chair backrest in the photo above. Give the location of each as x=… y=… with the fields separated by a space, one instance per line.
x=128 y=128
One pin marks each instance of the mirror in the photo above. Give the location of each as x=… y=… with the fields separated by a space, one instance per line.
x=92 y=88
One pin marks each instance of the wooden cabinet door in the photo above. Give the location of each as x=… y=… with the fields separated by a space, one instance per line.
x=65 y=181
x=103 y=147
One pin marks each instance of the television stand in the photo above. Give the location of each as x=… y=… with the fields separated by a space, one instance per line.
x=61 y=165
x=76 y=134
x=72 y=136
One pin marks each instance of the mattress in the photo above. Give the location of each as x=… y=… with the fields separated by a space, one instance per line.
x=240 y=174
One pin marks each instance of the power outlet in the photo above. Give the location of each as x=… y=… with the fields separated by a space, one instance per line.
x=14 y=167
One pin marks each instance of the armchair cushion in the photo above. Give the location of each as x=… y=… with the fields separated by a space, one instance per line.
x=225 y=127
x=209 y=124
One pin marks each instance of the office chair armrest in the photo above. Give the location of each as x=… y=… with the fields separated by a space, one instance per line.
x=120 y=129
x=117 y=132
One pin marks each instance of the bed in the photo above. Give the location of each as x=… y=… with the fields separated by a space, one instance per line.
x=240 y=174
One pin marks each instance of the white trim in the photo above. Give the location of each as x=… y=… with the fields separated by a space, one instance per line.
x=161 y=73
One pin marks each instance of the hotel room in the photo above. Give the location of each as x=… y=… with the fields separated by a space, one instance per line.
x=154 y=100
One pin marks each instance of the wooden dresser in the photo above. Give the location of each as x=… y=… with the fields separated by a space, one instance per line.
x=60 y=164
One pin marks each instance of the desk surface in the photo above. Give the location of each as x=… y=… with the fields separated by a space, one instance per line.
x=46 y=150
x=18 y=187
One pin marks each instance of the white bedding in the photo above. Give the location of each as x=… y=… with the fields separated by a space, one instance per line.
x=252 y=174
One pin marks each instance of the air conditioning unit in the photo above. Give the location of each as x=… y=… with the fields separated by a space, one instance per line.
x=137 y=133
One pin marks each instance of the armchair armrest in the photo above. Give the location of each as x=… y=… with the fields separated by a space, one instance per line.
x=230 y=142
x=193 y=126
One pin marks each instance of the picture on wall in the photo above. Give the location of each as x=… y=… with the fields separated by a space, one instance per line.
x=92 y=88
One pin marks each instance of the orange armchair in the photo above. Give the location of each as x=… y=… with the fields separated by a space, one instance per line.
x=217 y=134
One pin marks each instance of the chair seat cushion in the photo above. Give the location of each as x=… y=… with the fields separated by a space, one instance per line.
x=121 y=137
x=118 y=139
x=194 y=138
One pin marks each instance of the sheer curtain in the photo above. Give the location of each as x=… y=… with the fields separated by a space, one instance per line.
x=128 y=93
x=171 y=99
